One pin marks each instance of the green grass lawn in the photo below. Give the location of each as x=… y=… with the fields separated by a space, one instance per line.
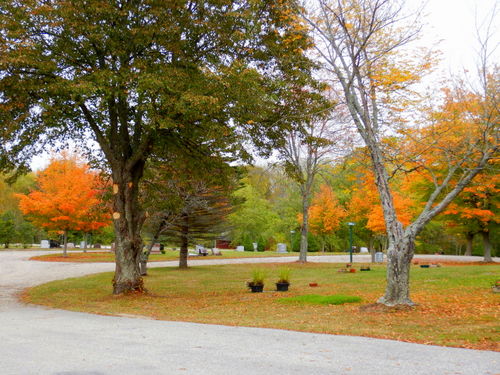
x=456 y=304
x=315 y=299
x=169 y=255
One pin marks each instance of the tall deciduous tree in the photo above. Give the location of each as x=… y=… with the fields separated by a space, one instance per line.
x=325 y=213
x=358 y=41
x=303 y=153
x=7 y=228
x=65 y=197
x=13 y=226
x=255 y=220
x=133 y=73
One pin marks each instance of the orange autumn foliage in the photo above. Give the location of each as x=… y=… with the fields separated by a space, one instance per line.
x=365 y=204
x=325 y=213
x=453 y=138
x=66 y=198
x=477 y=202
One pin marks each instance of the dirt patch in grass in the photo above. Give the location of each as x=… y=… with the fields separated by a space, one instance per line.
x=456 y=306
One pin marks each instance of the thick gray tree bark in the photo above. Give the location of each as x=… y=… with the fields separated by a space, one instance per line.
x=304 y=229
x=128 y=218
x=65 y=244
x=85 y=242
x=486 y=246
x=469 y=237
x=183 y=253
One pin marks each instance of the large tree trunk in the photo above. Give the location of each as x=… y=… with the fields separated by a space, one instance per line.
x=128 y=219
x=85 y=242
x=486 y=246
x=65 y=246
x=371 y=244
x=154 y=240
x=145 y=255
x=183 y=254
x=469 y=237
x=401 y=243
x=304 y=229
x=399 y=256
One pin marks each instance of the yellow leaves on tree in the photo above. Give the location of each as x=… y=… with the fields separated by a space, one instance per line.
x=325 y=213
x=67 y=197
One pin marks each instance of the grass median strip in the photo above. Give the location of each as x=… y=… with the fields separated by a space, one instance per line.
x=456 y=306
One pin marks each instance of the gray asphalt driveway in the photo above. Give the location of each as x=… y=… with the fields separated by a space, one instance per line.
x=36 y=340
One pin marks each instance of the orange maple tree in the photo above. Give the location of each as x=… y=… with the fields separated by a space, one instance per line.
x=325 y=213
x=365 y=204
x=448 y=145
x=67 y=197
x=475 y=211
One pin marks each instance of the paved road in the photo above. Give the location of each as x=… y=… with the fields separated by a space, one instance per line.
x=36 y=340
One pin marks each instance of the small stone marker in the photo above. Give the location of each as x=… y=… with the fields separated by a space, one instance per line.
x=363 y=250
x=82 y=245
x=240 y=248
x=282 y=248
x=70 y=245
x=216 y=251
x=379 y=257
x=44 y=244
x=155 y=249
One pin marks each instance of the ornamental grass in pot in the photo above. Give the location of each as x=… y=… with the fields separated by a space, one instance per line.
x=283 y=280
x=257 y=283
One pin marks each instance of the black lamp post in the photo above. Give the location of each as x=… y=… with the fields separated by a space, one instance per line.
x=350 y=240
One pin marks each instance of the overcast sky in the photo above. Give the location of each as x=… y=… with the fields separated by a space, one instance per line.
x=450 y=25
x=454 y=23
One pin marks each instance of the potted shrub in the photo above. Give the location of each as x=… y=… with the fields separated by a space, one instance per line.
x=283 y=280
x=257 y=283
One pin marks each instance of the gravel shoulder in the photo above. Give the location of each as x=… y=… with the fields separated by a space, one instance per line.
x=37 y=340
